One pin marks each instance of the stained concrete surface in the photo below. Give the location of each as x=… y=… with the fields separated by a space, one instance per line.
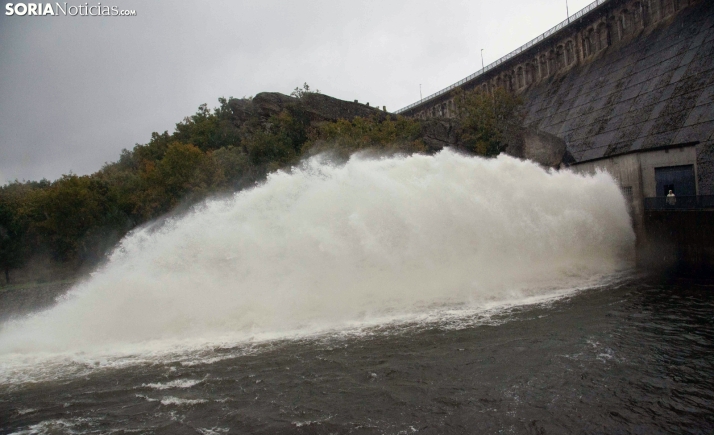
x=654 y=90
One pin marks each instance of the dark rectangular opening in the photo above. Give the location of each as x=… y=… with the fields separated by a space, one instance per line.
x=678 y=179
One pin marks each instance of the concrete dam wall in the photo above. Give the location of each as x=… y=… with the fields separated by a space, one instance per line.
x=682 y=239
x=653 y=91
x=626 y=76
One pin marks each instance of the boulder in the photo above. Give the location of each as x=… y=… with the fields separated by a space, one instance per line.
x=439 y=133
x=266 y=104
x=242 y=109
x=541 y=147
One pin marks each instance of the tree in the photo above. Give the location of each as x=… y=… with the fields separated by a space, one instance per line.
x=77 y=219
x=165 y=182
x=13 y=228
x=232 y=166
x=208 y=130
x=62 y=215
x=489 y=121
x=346 y=137
x=299 y=92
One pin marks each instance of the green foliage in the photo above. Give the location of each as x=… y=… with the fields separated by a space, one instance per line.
x=154 y=150
x=488 y=121
x=208 y=130
x=67 y=214
x=269 y=148
x=231 y=166
x=164 y=182
x=300 y=92
x=346 y=137
x=13 y=226
x=76 y=219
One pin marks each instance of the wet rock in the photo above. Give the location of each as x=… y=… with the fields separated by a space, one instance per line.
x=529 y=143
x=541 y=147
x=441 y=132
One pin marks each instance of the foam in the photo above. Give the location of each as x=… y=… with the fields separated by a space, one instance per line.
x=327 y=246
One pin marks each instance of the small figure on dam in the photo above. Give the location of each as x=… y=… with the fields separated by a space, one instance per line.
x=671 y=199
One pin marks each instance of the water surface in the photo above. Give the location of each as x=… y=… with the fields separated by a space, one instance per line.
x=636 y=356
x=433 y=294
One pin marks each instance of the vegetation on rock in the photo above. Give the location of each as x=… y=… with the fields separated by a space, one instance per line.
x=74 y=221
x=489 y=122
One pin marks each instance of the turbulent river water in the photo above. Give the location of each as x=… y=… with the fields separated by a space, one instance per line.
x=431 y=294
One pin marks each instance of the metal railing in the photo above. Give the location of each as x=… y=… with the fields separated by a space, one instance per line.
x=680 y=202
x=510 y=55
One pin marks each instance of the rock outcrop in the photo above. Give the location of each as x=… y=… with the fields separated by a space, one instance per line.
x=437 y=133
x=441 y=132
x=531 y=144
x=541 y=147
x=317 y=107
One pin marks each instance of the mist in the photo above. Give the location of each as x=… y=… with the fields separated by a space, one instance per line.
x=328 y=245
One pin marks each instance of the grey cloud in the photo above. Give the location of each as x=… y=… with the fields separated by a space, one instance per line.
x=74 y=91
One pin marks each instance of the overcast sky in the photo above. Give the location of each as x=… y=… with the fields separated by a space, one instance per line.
x=75 y=91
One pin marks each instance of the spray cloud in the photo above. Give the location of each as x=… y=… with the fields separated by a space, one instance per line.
x=325 y=244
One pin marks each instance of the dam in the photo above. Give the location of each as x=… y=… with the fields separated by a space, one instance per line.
x=628 y=85
x=427 y=293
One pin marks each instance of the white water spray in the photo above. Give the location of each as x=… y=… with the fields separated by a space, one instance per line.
x=330 y=245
